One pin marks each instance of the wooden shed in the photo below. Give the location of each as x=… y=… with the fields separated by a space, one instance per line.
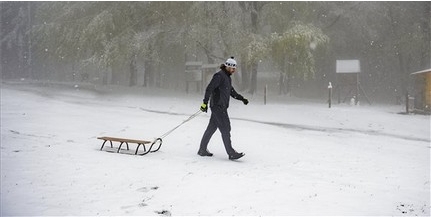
x=422 y=87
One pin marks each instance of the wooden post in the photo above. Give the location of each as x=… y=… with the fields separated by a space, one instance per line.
x=357 y=89
x=330 y=94
x=407 y=102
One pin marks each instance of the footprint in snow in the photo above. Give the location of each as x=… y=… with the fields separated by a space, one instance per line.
x=163 y=212
x=147 y=189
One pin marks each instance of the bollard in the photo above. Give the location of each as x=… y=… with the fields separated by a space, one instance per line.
x=330 y=94
x=407 y=102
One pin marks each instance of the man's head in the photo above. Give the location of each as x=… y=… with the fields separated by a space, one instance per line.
x=230 y=65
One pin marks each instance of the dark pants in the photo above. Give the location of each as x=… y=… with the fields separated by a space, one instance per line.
x=219 y=119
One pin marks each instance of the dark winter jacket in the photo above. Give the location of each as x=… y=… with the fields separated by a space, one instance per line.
x=220 y=89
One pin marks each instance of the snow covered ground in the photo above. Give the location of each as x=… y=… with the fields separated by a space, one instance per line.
x=302 y=158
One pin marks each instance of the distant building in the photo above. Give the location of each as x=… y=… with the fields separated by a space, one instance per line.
x=422 y=90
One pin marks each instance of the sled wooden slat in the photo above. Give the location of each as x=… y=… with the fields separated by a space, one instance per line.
x=127 y=141
x=124 y=140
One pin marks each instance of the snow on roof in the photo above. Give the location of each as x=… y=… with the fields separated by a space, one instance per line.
x=421 y=72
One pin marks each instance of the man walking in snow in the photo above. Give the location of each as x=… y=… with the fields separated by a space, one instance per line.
x=220 y=90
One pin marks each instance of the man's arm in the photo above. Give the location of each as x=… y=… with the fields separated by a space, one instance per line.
x=235 y=95
x=214 y=83
x=238 y=96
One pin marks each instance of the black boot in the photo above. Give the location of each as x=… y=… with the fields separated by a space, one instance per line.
x=236 y=156
x=204 y=153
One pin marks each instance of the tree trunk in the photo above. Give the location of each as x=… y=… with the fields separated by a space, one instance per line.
x=133 y=71
x=29 y=57
x=426 y=29
x=115 y=78
x=158 y=75
x=148 y=76
x=149 y=69
x=254 y=15
x=245 y=75
x=284 y=84
x=253 y=86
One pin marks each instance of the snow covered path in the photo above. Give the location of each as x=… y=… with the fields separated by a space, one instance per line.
x=301 y=158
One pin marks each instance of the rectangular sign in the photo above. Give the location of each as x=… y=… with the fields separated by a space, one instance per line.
x=348 y=66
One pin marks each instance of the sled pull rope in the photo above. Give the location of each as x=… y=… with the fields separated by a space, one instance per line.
x=185 y=121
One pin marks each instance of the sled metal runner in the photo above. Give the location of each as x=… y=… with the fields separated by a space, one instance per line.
x=155 y=145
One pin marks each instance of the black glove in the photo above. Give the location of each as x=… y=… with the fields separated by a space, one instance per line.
x=204 y=107
x=245 y=101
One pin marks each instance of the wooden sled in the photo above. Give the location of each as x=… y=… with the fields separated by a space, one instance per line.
x=133 y=141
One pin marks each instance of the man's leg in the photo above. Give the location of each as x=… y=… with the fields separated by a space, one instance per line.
x=223 y=124
x=211 y=128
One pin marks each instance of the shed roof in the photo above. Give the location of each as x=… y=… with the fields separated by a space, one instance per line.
x=422 y=72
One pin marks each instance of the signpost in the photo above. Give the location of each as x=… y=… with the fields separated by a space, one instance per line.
x=348 y=76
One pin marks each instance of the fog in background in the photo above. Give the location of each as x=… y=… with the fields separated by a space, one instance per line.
x=291 y=47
